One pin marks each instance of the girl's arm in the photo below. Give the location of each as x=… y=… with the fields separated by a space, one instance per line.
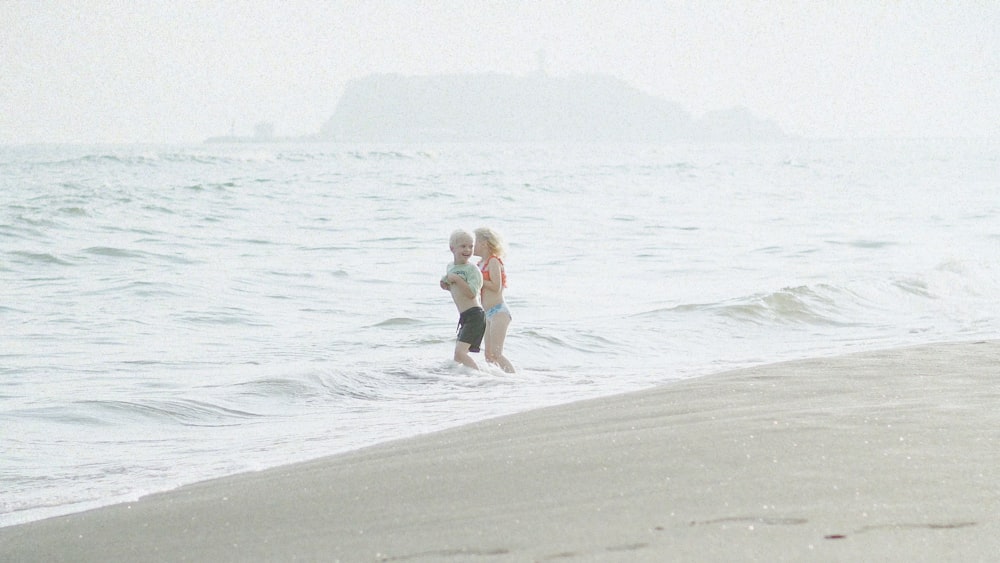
x=496 y=277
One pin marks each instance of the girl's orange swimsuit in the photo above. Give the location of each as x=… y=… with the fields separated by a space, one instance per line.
x=485 y=269
x=500 y=307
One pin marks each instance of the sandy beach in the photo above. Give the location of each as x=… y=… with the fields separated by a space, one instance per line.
x=881 y=456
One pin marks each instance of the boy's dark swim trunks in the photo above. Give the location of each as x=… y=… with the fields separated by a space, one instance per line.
x=472 y=327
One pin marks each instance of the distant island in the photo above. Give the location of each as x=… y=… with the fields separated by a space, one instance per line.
x=262 y=133
x=393 y=108
x=535 y=107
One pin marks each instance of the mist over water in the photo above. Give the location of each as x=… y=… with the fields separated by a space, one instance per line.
x=175 y=313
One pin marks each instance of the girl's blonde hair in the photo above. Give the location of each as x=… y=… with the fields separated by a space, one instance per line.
x=493 y=241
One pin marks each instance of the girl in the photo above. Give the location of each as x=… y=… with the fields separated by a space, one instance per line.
x=491 y=249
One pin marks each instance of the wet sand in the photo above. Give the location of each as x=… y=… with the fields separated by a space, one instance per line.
x=882 y=456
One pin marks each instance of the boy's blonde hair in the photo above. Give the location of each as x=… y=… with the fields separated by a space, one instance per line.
x=493 y=241
x=458 y=234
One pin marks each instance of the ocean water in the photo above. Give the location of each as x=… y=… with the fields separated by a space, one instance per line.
x=176 y=313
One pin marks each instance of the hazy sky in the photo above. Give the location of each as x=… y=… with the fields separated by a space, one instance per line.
x=184 y=70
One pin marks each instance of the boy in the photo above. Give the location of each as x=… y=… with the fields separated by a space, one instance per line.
x=464 y=281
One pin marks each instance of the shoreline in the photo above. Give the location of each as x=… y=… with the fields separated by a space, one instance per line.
x=882 y=455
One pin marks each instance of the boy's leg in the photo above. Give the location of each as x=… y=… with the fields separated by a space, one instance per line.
x=462 y=355
x=472 y=325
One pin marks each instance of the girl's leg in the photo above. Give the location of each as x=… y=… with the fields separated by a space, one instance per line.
x=496 y=333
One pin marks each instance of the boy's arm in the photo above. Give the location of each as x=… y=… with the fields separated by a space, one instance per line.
x=463 y=286
x=445 y=285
